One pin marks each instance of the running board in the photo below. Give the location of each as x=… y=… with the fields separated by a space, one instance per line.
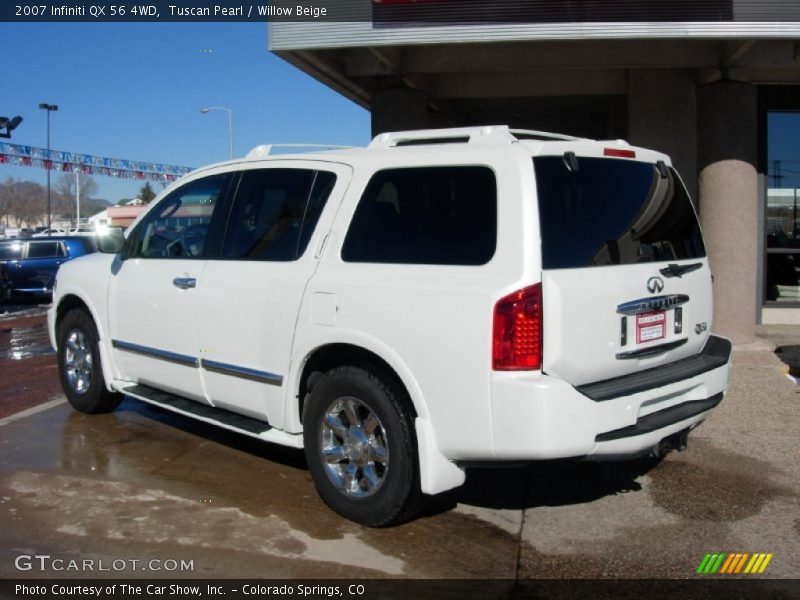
x=204 y=412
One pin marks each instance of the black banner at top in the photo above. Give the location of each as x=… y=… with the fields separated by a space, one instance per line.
x=379 y=12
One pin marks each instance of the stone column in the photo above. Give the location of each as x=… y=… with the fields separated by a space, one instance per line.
x=727 y=124
x=399 y=109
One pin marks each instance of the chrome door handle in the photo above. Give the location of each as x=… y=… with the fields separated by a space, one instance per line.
x=184 y=282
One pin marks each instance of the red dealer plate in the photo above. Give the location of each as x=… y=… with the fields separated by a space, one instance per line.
x=651 y=326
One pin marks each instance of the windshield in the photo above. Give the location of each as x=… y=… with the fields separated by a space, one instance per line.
x=613 y=212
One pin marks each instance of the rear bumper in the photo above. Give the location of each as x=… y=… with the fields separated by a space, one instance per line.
x=535 y=416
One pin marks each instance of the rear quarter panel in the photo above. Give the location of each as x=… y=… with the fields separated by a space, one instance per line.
x=432 y=323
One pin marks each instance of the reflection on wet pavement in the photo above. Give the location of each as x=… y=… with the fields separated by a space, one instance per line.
x=145 y=482
x=20 y=343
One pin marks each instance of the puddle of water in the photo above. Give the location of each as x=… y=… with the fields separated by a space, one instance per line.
x=24 y=342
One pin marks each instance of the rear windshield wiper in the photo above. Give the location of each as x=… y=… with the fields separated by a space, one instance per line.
x=676 y=270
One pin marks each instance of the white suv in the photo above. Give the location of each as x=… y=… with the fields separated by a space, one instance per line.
x=438 y=299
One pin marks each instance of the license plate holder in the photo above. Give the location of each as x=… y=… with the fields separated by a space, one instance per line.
x=651 y=326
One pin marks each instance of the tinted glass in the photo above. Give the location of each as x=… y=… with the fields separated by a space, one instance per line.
x=10 y=250
x=783 y=207
x=275 y=212
x=44 y=250
x=613 y=212
x=426 y=215
x=178 y=226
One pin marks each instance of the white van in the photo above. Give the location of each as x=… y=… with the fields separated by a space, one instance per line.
x=438 y=299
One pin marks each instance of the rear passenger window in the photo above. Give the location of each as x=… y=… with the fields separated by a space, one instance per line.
x=44 y=250
x=426 y=215
x=275 y=213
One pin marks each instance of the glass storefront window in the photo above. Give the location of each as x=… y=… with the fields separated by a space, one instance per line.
x=783 y=207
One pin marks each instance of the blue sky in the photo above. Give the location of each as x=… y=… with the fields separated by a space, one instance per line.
x=134 y=91
x=783 y=133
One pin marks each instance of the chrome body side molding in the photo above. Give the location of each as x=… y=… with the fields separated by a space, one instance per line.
x=209 y=365
x=180 y=359
x=241 y=372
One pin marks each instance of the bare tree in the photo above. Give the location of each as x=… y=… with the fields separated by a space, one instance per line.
x=66 y=188
x=28 y=202
x=6 y=194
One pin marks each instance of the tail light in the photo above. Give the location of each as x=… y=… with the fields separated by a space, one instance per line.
x=517 y=331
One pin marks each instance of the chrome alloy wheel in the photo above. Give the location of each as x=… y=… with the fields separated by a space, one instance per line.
x=354 y=447
x=78 y=361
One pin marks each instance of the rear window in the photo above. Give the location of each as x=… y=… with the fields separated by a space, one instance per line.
x=613 y=212
x=426 y=215
x=10 y=250
x=44 y=250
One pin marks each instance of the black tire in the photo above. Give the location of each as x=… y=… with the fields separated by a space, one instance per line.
x=85 y=388
x=397 y=497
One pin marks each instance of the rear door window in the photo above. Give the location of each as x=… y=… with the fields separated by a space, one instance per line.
x=44 y=250
x=613 y=212
x=426 y=215
x=275 y=212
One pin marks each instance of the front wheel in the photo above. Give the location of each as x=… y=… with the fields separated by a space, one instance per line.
x=79 y=365
x=360 y=447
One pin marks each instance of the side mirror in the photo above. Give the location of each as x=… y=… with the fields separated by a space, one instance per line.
x=112 y=241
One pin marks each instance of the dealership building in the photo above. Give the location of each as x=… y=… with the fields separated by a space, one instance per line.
x=713 y=83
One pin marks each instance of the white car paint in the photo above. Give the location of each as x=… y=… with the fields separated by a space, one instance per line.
x=431 y=324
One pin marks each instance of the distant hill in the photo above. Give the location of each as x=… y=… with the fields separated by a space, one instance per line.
x=91 y=206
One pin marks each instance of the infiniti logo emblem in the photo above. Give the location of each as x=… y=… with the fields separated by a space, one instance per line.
x=655 y=284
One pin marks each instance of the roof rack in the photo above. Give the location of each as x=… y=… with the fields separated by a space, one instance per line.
x=490 y=135
x=265 y=149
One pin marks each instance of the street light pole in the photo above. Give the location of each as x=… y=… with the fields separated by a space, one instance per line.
x=77 y=199
x=49 y=108
x=230 y=125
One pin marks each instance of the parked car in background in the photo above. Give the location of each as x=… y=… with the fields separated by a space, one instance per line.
x=82 y=230
x=30 y=265
x=54 y=230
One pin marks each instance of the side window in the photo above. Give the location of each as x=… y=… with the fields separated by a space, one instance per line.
x=44 y=250
x=178 y=226
x=11 y=250
x=275 y=212
x=425 y=215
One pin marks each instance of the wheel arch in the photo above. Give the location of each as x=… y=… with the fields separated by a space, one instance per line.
x=71 y=300
x=324 y=355
x=437 y=473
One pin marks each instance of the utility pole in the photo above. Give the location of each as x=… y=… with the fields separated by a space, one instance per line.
x=776 y=173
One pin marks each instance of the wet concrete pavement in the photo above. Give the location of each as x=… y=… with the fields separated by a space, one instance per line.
x=141 y=483
x=28 y=374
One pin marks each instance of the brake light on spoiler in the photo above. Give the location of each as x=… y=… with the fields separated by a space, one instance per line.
x=619 y=153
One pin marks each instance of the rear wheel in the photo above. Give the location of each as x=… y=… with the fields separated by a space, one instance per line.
x=361 y=448
x=79 y=365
